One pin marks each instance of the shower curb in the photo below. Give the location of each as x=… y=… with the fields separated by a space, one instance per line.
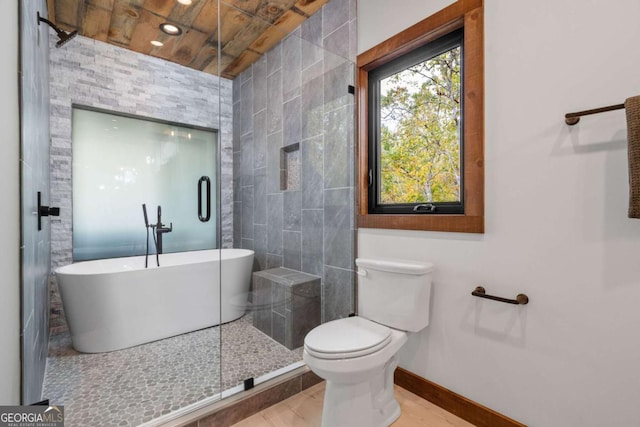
x=226 y=412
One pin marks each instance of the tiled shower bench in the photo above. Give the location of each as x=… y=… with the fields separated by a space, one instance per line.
x=286 y=304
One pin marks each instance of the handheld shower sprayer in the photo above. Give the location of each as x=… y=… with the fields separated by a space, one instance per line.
x=146 y=223
x=146 y=218
x=62 y=35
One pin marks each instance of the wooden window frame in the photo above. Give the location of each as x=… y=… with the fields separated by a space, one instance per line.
x=467 y=14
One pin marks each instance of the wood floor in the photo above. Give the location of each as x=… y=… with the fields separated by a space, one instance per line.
x=305 y=410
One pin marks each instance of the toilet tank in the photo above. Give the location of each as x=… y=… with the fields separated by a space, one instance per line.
x=394 y=293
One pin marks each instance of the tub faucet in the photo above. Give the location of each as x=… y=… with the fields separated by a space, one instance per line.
x=160 y=229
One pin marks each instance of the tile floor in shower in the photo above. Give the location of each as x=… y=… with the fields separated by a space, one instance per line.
x=129 y=387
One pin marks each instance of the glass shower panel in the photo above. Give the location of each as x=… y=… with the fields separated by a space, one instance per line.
x=163 y=132
x=293 y=183
x=121 y=162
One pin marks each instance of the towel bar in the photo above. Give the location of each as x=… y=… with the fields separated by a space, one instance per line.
x=521 y=299
x=573 y=118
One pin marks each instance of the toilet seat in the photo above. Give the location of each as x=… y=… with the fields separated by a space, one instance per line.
x=346 y=338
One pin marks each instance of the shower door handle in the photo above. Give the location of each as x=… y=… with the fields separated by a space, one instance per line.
x=207 y=181
x=45 y=211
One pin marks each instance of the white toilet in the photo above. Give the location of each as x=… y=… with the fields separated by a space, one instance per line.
x=358 y=355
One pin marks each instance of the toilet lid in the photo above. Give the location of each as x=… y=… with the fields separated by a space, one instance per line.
x=345 y=338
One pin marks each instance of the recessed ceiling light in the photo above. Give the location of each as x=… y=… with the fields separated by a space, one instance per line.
x=157 y=43
x=185 y=2
x=170 y=29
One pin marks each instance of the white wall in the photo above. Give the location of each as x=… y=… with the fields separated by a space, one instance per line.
x=556 y=221
x=9 y=210
x=380 y=19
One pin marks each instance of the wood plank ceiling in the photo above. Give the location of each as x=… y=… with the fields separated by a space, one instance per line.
x=249 y=28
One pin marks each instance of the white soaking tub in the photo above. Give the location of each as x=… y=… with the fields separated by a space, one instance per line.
x=116 y=303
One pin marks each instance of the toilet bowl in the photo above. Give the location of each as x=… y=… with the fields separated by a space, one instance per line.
x=357 y=356
x=359 y=388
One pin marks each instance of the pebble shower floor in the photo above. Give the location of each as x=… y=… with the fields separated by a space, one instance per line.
x=132 y=386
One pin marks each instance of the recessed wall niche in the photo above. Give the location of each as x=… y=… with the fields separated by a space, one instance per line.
x=290 y=167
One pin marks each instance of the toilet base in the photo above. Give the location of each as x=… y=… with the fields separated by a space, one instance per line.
x=368 y=403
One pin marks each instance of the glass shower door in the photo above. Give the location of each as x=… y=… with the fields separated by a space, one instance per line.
x=293 y=179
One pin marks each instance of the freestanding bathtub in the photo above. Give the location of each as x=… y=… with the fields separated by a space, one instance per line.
x=116 y=303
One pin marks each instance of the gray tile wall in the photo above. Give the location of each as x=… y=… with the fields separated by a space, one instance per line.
x=297 y=93
x=35 y=248
x=96 y=74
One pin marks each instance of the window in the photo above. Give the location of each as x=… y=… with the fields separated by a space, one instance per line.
x=119 y=163
x=420 y=107
x=414 y=131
